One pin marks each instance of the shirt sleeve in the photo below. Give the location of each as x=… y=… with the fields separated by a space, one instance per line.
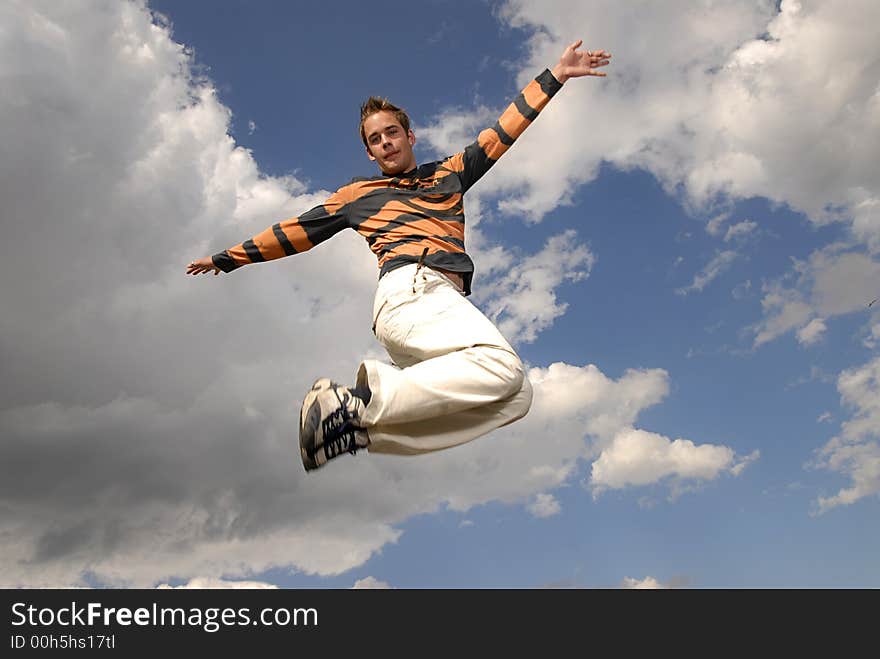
x=298 y=234
x=492 y=143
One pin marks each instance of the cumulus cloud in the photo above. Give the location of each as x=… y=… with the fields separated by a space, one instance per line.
x=129 y=448
x=544 y=505
x=523 y=301
x=370 y=583
x=719 y=116
x=150 y=432
x=855 y=452
x=640 y=584
x=213 y=582
x=638 y=457
x=833 y=281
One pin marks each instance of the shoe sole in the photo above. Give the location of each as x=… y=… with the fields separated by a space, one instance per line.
x=309 y=420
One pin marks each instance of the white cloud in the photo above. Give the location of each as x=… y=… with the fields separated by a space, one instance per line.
x=719 y=264
x=825 y=416
x=713 y=226
x=730 y=111
x=544 y=505
x=811 y=332
x=744 y=462
x=855 y=452
x=370 y=583
x=833 y=281
x=871 y=341
x=640 y=584
x=637 y=458
x=175 y=397
x=740 y=230
x=213 y=582
x=523 y=302
x=842 y=282
x=785 y=310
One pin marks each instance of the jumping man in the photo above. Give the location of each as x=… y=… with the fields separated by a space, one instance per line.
x=455 y=376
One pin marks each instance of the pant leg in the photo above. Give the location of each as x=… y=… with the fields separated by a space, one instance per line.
x=444 y=432
x=456 y=378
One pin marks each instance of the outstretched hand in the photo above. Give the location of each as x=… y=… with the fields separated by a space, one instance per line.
x=201 y=266
x=574 y=63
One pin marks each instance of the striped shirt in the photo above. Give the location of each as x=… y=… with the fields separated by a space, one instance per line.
x=415 y=215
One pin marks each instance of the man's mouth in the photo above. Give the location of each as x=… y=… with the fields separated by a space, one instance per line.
x=391 y=155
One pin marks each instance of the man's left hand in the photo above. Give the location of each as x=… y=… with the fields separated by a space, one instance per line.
x=574 y=63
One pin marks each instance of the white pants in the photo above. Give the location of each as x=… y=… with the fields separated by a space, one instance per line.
x=456 y=377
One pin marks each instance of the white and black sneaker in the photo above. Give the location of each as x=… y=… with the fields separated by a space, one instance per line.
x=329 y=424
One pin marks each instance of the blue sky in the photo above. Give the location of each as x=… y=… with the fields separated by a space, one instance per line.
x=717 y=376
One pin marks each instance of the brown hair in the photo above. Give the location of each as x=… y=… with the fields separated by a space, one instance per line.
x=376 y=104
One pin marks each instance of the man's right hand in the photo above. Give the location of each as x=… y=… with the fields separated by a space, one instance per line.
x=201 y=266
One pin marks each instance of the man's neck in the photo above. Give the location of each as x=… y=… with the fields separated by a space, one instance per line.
x=405 y=174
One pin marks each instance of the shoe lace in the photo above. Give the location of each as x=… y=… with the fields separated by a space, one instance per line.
x=337 y=429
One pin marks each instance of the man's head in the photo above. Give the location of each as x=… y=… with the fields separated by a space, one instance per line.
x=387 y=136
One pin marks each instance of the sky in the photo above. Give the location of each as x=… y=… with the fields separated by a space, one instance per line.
x=684 y=253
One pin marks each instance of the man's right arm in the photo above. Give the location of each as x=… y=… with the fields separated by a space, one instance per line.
x=293 y=236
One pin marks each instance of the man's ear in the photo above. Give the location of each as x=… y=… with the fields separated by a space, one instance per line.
x=369 y=154
x=411 y=136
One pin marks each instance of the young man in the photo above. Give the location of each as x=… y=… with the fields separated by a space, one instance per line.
x=456 y=377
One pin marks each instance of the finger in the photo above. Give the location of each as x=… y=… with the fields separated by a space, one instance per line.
x=576 y=44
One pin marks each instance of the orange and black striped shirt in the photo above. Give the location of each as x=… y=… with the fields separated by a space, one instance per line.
x=417 y=214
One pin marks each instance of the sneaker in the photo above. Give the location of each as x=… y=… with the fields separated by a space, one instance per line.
x=328 y=424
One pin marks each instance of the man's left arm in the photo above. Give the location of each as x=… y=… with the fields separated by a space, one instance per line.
x=492 y=143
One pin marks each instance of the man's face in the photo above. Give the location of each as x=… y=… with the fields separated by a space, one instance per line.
x=388 y=144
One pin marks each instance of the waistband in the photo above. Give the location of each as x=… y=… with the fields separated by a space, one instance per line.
x=458 y=266
x=402 y=282
x=391 y=279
